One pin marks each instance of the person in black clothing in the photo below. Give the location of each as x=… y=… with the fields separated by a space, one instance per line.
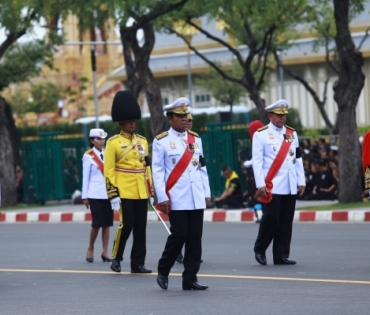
x=249 y=196
x=232 y=197
x=326 y=184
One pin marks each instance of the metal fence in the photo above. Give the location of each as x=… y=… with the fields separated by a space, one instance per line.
x=225 y=144
x=52 y=168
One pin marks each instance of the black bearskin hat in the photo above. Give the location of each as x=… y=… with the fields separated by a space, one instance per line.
x=125 y=107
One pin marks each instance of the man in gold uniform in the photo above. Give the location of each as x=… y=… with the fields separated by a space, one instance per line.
x=128 y=182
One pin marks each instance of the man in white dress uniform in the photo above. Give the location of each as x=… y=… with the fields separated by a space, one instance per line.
x=279 y=176
x=182 y=188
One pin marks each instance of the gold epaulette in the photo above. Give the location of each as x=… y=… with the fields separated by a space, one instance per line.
x=142 y=137
x=112 y=138
x=286 y=126
x=89 y=151
x=162 y=135
x=193 y=133
x=262 y=128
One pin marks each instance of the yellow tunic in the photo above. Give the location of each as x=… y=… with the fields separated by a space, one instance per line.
x=126 y=176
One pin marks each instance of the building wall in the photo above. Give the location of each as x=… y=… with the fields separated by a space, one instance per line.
x=294 y=92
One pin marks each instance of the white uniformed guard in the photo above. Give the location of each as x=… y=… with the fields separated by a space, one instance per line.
x=94 y=194
x=289 y=178
x=93 y=184
x=182 y=188
x=97 y=133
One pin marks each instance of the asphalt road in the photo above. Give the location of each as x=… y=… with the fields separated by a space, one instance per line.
x=43 y=271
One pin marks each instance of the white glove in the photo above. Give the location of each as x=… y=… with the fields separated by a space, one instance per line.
x=151 y=200
x=115 y=203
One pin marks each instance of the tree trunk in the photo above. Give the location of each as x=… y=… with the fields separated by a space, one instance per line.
x=133 y=82
x=7 y=171
x=347 y=91
x=260 y=103
x=152 y=90
x=139 y=74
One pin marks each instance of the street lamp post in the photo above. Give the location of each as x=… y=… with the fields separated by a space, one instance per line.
x=190 y=87
x=188 y=32
x=93 y=67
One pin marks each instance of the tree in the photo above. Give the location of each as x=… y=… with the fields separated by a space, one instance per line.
x=255 y=24
x=77 y=95
x=320 y=22
x=16 y=18
x=136 y=52
x=44 y=98
x=222 y=90
x=347 y=91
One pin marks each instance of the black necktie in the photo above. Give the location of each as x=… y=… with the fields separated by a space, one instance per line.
x=101 y=156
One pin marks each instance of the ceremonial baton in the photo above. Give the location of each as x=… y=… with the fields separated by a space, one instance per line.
x=159 y=216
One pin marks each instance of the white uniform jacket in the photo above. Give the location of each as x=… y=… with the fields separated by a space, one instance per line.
x=192 y=187
x=93 y=184
x=265 y=147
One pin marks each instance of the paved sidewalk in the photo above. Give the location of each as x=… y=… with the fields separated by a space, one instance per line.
x=61 y=212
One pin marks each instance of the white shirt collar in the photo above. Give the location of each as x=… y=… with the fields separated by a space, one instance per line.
x=97 y=152
x=175 y=133
x=273 y=127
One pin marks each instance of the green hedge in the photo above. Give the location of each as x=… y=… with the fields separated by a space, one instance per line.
x=112 y=128
x=200 y=121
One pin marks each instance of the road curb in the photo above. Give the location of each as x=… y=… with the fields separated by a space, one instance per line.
x=217 y=215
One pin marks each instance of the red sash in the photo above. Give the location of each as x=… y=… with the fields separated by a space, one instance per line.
x=98 y=161
x=179 y=168
x=279 y=159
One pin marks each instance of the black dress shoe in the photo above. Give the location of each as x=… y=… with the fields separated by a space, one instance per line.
x=105 y=258
x=261 y=259
x=284 y=261
x=162 y=281
x=193 y=286
x=115 y=265
x=140 y=269
x=180 y=258
x=90 y=259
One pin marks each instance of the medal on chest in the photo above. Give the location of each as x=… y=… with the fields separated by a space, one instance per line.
x=191 y=147
x=172 y=145
x=142 y=151
x=194 y=161
x=288 y=138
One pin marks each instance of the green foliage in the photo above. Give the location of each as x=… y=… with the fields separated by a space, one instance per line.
x=315 y=132
x=112 y=128
x=77 y=97
x=40 y=98
x=21 y=62
x=227 y=92
x=44 y=97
